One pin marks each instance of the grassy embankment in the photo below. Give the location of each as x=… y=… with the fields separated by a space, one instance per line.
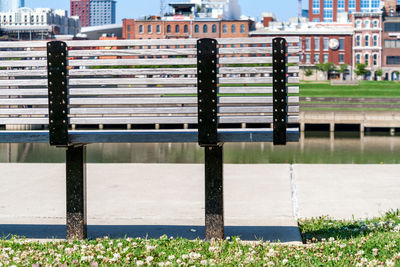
x=328 y=242
x=366 y=89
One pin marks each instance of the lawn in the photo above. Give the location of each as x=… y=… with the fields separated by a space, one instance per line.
x=376 y=89
x=329 y=242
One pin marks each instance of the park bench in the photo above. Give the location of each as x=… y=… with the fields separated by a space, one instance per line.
x=211 y=91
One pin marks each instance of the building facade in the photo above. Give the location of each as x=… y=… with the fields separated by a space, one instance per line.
x=391 y=46
x=331 y=10
x=367 y=41
x=319 y=43
x=157 y=28
x=10 y=5
x=94 y=12
x=40 y=23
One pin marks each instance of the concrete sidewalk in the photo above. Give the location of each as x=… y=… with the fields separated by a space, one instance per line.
x=148 y=200
x=261 y=201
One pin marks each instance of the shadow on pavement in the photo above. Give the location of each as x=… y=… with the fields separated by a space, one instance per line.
x=271 y=233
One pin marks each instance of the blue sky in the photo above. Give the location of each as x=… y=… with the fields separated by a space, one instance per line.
x=283 y=9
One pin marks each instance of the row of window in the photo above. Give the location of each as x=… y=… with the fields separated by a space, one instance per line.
x=367 y=24
x=392 y=43
x=196 y=28
x=325 y=58
x=393 y=60
x=367 y=59
x=367 y=42
x=325 y=44
x=392 y=27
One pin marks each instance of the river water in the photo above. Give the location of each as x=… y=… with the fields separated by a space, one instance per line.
x=314 y=147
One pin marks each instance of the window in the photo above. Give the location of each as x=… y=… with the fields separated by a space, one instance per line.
x=308 y=58
x=224 y=28
x=129 y=36
x=214 y=28
x=233 y=30
x=149 y=29
x=205 y=28
x=341 y=44
x=341 y=5
x=316 y=43
x=242 y=28
x=375 y=59
x=366 y=59
x=169 y=29
x=326 y=58
x=393 y=60
x=358 y=24
x=176 y=28
x=158 y=28
x=196 y=28
x=375 y=23
x=392 y=43
x=341 y=58
x=352 y=4
x=375 y=40
x=366 y=40
x=392 y=27
x=328 y=15
x=358 y=58
x=328 y=4
x=140 y=28
x=326 y=41
x=316 y=58
x=358 y=40
x=367 y=24
x=315 y=7
x=129 y=28
x=186 y=29
x=308 y=44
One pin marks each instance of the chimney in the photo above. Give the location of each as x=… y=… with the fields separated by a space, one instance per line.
x=267 y=18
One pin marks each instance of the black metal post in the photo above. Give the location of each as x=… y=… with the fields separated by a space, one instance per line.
x=76 y=192
x=214 y=192
x=279 y=47
x=208 y=136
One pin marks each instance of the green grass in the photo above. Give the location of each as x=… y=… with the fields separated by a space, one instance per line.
x=370 y=89
x=347 y=109
x=330 y=242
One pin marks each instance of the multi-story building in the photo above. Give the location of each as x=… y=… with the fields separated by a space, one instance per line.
x=184 y=22
x=40 y=23
x=102 y=12
x=391 y=43
x=330 y=10
x=367 y=41
x=10 y=5
x=94 y=12
x=320 y=42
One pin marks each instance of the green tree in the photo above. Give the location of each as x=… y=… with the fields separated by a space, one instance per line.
x=343 y=68
x=308 y=72
x=360 y=69
x=379 y=73
x=326 y=67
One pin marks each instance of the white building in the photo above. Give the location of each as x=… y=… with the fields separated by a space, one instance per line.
x=7 y=5
x=39 y=23
x=219 y=9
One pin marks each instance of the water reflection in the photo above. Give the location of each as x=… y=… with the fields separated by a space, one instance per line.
x=315 y=147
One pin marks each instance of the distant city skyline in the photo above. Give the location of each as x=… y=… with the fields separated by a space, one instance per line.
x=282 y=9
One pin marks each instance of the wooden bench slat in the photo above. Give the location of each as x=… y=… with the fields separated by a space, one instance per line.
x=132 y=91
x=25 y=120
x=134 y=71
x=254 y=80
x=23 y=101
x=132 y=62
x=253 y=50
x=24 y=111
x=257 y=70
x=23 y=63
x=23 y=82
x=133 y=52
x=255 y=40
x=24 y=92
x=254 y=60
x=30 y=54
x=254 y=90
x=133 y=81
x=171 y=110
x=23 y=73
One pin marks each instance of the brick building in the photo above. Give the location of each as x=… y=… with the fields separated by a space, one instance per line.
x=81 y=8
x=157 y=28
x=320 y=43
x=391 y=45
x=367 y=41
x=94 y=12
x=330 y=10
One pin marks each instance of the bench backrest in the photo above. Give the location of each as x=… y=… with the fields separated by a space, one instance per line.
x=141 y=82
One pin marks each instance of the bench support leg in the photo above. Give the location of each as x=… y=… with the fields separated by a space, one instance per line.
x=76 y=192
x=214 y=192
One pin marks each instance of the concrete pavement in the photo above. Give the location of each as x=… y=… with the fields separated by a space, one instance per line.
x=261 y=201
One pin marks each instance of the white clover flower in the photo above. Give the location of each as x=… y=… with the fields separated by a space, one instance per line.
x=185 y=256
x=270 y=263
x=150 y=248
x=331 y=239
x=194 y=255
x=360 y=253
x=389 y=263
x=84 y=258
x=116 y=256
x=375 y=251
x=203 y=262
x=171 y=257
x=119 y=244
x=285 y=261
x=139 y=263
x=178 y=261
x=149 y=259
x=100 y=257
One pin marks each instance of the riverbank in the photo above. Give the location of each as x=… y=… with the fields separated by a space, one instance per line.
x=261 y=200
